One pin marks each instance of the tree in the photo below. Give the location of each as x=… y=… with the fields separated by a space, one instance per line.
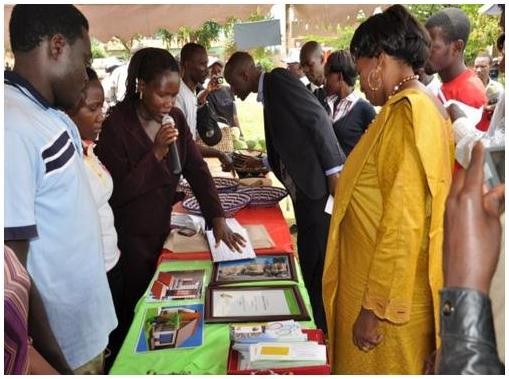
x=342 y=41
x=208 y=32
x=97 y=48
x=166 y=36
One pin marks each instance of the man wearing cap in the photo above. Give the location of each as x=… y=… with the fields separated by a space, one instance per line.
x=293 y=66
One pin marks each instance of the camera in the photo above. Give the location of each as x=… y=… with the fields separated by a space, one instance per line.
x=494 y=165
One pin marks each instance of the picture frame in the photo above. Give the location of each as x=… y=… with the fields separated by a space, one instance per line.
x=270 y=267
x=254 y=303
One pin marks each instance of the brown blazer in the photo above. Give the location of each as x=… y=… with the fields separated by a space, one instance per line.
x=143 y=188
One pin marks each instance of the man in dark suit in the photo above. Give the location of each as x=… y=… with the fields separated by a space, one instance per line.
x=304 y=154
x=312 y=61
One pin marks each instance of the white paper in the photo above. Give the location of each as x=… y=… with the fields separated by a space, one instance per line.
x=330 y=204
x=188 y=221
x=297 y=351
x=223 y=253
x=473 y=114
x=229 y=303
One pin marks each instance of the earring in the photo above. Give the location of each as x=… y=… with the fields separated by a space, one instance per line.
x=141 y=95
x=375 y=80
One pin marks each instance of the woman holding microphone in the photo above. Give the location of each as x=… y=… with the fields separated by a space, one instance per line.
x=135 y=147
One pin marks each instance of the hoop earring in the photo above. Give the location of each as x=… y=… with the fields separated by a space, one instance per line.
x=375 y=80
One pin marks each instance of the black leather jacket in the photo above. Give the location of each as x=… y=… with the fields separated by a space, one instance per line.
x=467 y=333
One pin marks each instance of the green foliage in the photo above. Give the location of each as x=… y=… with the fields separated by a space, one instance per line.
x=339 y=42
x=208 y=32
x=484 y=29
x=263 y=57
x=166 y=36
x=98 y=50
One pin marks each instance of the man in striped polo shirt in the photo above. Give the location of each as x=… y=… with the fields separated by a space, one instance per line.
x=51 y=221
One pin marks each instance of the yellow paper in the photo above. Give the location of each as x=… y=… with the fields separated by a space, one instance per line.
x=275 y=350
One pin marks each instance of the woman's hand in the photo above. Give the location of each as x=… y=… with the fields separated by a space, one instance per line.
x=223 y=233
x=365 y=330
x=164 y=138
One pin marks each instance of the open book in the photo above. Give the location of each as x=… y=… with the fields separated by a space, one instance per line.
x=222 y=252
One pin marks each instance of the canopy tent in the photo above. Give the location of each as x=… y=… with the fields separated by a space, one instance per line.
x=125 y=21
x=323 y=19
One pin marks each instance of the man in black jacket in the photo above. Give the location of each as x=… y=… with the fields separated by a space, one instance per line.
x=312 y=61
x=304 y=154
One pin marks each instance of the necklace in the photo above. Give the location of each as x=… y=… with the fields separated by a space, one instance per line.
x=403 y=81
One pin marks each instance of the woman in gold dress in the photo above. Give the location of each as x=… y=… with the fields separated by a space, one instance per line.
x=383 y=266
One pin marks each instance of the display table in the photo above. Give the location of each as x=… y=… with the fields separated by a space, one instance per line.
x=209 y=358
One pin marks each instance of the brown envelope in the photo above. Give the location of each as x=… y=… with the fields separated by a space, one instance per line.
x=260 y=238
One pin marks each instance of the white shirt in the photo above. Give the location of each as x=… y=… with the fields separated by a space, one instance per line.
x=342 y=107
x=494 y=89
x=187 y=101
x=304 y=80
x=466 y=134
x=48 y=202
x=435 y=85
x=101 y=185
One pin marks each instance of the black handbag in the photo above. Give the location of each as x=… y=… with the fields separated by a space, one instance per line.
x=206 y=125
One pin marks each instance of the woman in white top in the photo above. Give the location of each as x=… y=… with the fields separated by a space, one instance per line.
x=88 y=115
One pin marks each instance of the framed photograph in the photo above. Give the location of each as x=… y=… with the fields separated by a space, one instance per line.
x=257 y=303
x=262 y=268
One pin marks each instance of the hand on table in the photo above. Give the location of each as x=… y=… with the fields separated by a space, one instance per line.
x=222 y=232
x=472 y=229
x=365 y=330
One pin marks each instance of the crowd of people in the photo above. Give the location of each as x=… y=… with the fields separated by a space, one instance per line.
x=398 y=275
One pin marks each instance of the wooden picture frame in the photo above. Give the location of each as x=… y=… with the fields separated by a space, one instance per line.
x=254 y=303
x=255 y=270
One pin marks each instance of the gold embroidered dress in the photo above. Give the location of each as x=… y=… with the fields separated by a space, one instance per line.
x=384 y=250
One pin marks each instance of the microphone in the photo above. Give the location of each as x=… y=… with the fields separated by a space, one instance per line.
x=177 y=168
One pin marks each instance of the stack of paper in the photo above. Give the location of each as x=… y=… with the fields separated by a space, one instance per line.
x=270 y=355
x=222 y=252
x=277 y=331
x=187 y=221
